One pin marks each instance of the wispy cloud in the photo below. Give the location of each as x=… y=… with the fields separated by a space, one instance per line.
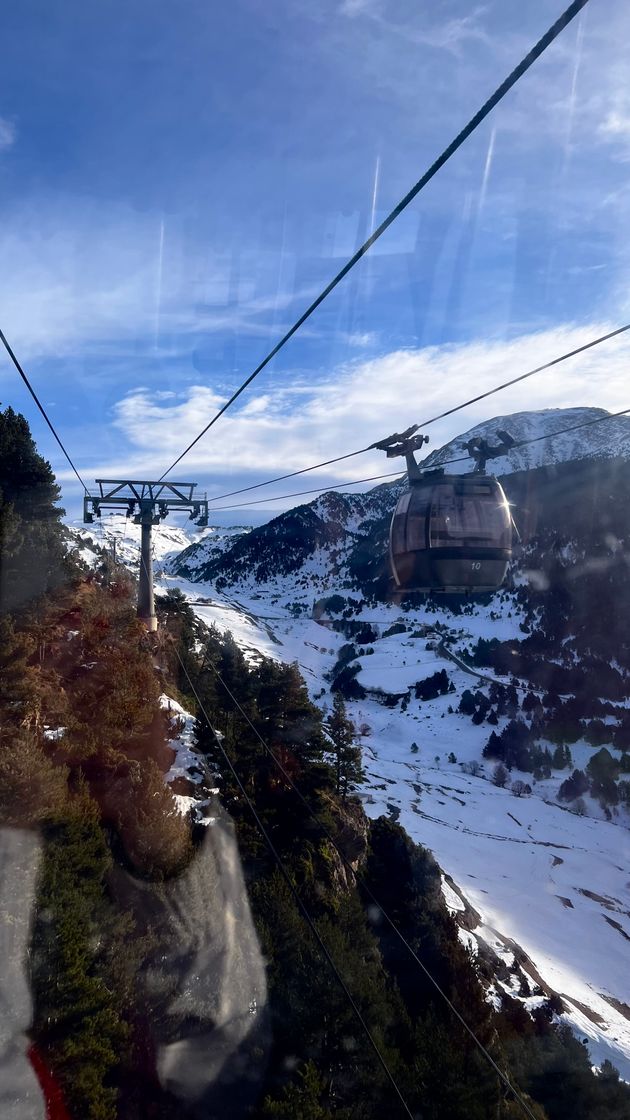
x=7 y=134
x=441 y=34
x=75 y=281
x=353 y=8
x=616 y=123
x=364 y=401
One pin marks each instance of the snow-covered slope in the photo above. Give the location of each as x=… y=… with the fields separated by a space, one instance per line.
x=169 y=540
x=605 y=440
x=547 y=889
x=311 y=546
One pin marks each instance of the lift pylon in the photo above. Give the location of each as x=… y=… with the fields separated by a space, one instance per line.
x=147 y=503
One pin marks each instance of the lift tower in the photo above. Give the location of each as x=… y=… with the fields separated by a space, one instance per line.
x=148 y=503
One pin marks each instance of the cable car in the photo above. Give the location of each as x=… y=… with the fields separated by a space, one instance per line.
x=450 y=533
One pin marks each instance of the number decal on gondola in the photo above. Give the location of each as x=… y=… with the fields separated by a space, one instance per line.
x=476 y=565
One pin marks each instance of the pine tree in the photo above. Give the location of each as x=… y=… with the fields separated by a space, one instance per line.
x=500 y=775
x=32 y=555
x=349 y=771
x=467 y=703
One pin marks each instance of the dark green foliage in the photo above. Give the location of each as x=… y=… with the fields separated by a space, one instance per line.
x=621 y=738
x=574 y=786
x=78 y=1025
x=311 y=1014
x=407 y=882
x=512 y=747
x=365 y=634
x=302 y=1099
x=603 y=770
x=395 y=628
x=346 y=753
x=438 y=684
x=257 y=716
x=32 y=554
x=561 y=758
x=555 y=1068
x=482 y=652
x=334 y=604
x=467 y=703
x=346 y=683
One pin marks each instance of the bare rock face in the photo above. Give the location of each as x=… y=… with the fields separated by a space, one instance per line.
x=352 y=841
x=347 y=855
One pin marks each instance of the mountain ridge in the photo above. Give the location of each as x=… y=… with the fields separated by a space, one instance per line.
x=344 y=536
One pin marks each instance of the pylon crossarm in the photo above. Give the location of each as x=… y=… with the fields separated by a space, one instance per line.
x=148 y=502
x=140 y=489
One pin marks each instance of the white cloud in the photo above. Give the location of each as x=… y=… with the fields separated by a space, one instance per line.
x=77 y=278
x=355 y=7
x=616 y=124
x=365 y=401
x=7 y=134
x=615 y=128
x=440 y=34
x=361 y=339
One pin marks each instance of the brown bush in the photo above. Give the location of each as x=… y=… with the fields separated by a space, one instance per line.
x=32 y=787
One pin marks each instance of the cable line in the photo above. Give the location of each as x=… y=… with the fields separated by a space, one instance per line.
x=292 y=474
x=436 y=465
x=39 y=405
x=301 y=905
x=536 y=51
x=300 y=493
x=368 y=891
x=425 y=423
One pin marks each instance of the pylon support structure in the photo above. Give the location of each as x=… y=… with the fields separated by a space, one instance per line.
x=148 y=503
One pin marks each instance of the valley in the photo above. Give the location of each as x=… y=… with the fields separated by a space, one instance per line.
x=538 y=884
x=541 y=879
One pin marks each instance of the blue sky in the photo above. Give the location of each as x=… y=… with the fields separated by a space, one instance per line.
x=178 y=181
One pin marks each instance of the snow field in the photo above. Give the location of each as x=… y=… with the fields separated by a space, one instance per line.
x=537 y=874
x=187 y=765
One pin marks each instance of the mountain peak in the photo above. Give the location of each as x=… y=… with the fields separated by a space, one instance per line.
x=589 y=438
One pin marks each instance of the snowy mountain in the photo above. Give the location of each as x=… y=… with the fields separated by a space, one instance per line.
x=339 y=541
x=534 y=870
x=169 y=540
x=589 y=439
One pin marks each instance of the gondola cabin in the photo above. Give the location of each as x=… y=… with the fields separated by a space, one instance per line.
x=451 y=533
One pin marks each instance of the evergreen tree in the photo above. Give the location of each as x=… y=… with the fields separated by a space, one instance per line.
x=78 y=1026
x=347 y=755
x=602 y=770
x=573 y=787
x=32 y=555
x=467 y=703
x=494 y=747
x=500 y=775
